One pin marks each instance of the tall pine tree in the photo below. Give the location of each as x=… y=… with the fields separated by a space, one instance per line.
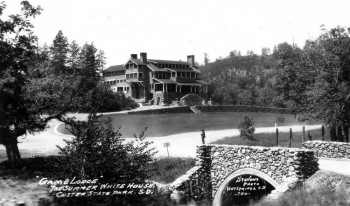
x=59 y=54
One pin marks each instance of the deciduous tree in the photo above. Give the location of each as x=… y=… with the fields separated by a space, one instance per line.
x=17 y=54
x=317 y=78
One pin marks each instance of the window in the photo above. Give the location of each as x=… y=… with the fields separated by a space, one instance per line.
x=140 y=75
x=179 y=74
x=188 y=74
x=128 y=76
x=192 y=74
x=117 y=81
x=173 y=74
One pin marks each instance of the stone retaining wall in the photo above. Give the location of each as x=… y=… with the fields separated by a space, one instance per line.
x=329 y=149
x=243 y=108
x=164 y=110
x=286 y=166
x=196 y=183
x=279 y=163
x=186 y=109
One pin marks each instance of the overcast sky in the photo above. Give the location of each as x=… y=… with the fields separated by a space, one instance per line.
x=172 y=30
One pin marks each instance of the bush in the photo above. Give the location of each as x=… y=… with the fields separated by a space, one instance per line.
x=116 y=102
x=280 y=120
x=97 y=151
x=192 y=99
x=103 y=99
x=246 y=128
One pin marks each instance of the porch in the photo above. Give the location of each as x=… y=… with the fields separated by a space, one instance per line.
x=167 y=85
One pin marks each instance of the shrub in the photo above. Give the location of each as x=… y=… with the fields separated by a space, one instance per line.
x=97 y=151
x=103 y=99
x=192 y=99
x=246 y=128
x=280 y=120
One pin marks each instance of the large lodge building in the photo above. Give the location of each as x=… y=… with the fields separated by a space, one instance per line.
x=157 y=81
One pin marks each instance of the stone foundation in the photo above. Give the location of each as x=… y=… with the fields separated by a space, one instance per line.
x=282 y=167
x=329 y=149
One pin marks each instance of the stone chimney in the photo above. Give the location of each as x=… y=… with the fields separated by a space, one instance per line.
x=143 y=56
x=133 y=56
x=190 y=60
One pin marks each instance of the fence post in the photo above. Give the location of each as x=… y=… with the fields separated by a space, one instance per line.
x=337 y=132
x=322 y=132
x=203 y=136
x=309 y=135
x=303 y=135
x=276 y=137
x=290 y=137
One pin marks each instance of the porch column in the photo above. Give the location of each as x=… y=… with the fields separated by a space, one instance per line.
x=163 y=87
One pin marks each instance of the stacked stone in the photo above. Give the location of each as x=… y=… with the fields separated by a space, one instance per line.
x=329 y=149
x=242 y=108
x=305 y=163
x=203 y=189
x=287 y=166
x=164 y=110
x=196 y=183
x=279 y=163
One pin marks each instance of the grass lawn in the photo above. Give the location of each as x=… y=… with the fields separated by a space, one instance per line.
x=269 y=139
x=322 y=189
x=168 y=124
x=167 y=170
x=22 y=184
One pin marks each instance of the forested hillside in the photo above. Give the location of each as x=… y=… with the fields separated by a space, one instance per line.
x=246 y=79
x=313 y=81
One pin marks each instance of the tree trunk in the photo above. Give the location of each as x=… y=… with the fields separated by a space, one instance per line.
x=344 y=130
x=340 y=134
x=13 y=155
x=333 y=133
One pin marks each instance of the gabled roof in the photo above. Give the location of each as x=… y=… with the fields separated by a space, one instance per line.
x=136 y=61
x=167 y=62
x=194 y=67
x=114 y=68
x=154 y=68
